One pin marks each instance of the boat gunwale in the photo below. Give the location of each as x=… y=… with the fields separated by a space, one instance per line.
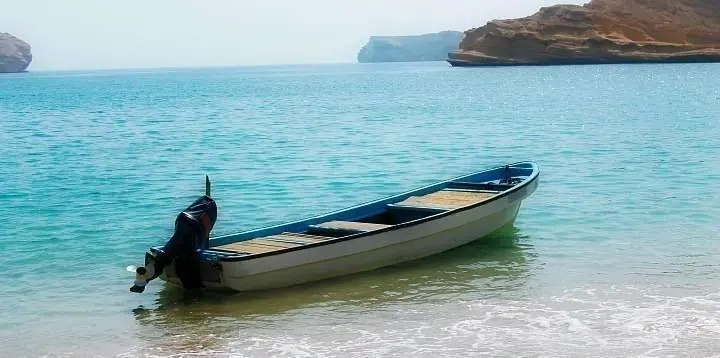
x=529 y=180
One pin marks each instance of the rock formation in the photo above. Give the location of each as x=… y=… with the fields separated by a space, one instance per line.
x=428 y=47
x=15 y=55
x=602 y=31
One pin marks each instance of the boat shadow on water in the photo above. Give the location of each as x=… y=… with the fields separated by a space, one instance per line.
x=495 y=265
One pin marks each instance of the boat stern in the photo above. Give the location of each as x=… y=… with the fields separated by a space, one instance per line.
x=183 y=252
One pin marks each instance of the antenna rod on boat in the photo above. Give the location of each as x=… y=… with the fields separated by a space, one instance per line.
x=207 y=185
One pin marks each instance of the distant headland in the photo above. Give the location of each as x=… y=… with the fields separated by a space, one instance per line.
x=15 y=54
x=427 y=47
x=602 y=31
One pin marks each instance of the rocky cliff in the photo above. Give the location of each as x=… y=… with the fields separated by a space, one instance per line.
x=602 y=31
x=428 y=47
x=15 y=55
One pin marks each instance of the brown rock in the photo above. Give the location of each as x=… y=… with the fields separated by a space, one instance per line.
x=602 y=31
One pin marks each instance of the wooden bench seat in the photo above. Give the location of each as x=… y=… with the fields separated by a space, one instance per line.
x=479 y=186
x=473 y=190
x=347 y=226
x=271 y=243
x=417 y=208
x=292 y=237
x=446 y=199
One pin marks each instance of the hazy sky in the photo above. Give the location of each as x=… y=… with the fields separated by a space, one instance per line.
x=84 y=34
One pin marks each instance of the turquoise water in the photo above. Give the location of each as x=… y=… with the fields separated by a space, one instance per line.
x=616 y=254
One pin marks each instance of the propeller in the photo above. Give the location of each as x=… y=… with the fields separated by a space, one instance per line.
x=141 y=278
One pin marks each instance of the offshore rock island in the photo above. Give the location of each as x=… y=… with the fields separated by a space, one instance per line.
x=427 y=47
x=15 y=55
x=602 y=31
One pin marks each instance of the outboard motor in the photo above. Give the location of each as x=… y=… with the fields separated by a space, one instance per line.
x=192 y=235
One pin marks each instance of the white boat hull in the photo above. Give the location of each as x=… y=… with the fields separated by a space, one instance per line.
x=369 y=252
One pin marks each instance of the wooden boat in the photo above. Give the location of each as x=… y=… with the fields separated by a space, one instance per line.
x=404 y=227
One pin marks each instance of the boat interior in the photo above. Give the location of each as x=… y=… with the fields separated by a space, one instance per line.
x=379 y=215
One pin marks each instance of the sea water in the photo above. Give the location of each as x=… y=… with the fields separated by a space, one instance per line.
x=616 y=254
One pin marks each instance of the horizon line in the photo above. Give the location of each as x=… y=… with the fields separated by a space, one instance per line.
x=199 y=67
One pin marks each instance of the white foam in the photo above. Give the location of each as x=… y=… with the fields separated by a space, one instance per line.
x=612 y=321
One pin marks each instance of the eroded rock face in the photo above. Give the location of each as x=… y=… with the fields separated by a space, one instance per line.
x=428 y=47
x=602 y=31
x=15 y=55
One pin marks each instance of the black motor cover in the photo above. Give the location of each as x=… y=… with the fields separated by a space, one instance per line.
x=192 y=235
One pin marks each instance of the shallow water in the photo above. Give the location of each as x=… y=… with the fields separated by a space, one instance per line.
x=616 y=254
